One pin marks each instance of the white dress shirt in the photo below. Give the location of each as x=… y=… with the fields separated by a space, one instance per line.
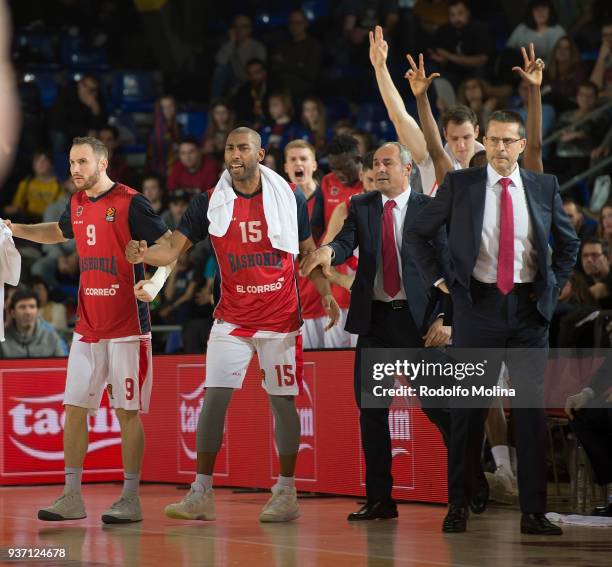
x=399 y=214
x=525 y=254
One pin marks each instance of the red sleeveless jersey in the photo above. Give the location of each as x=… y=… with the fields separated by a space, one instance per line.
x=258 y=282
x=102 y=227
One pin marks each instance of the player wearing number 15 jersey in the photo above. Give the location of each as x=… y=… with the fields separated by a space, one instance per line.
x=258 y=310
x=111 y=347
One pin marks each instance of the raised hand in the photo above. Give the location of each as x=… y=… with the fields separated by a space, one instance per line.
x=533 y=68
x=379 y=48
x=418 y=79
x=135 y=251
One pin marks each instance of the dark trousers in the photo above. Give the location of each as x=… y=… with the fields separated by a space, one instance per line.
x=495 y=321
x=390 y=328
x=593 y=427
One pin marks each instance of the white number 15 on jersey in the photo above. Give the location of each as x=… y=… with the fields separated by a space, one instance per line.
x=250 y=231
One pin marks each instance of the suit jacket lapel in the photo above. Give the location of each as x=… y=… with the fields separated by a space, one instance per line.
x=533 y=194
x=375 y=220
x=478 y=192
x=411 y=211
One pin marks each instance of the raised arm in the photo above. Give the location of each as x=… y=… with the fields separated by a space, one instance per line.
x=599 y=70
x=532 y=73
x=43 y=233
x=419 y=83
x=408 y=131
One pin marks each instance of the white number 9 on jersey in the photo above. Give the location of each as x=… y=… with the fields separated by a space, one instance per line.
x=91 y=234
x=250 y=231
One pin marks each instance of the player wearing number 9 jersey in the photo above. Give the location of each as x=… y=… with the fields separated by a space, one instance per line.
x=111 y=347
x=258 y=310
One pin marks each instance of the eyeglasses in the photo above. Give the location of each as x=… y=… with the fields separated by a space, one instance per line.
x=494 y=141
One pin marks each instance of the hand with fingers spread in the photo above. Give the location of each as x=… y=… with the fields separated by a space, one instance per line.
x=533 y=68
x=418 y=79
x=379 y=48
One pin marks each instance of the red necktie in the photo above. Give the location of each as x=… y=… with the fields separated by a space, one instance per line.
x=505 y=257
x=391 y=276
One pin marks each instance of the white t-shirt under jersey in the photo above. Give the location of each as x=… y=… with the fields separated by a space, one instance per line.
x=428 y=173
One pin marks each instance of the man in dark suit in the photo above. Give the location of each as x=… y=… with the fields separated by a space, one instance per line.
x=504 y=280
x=388 y=304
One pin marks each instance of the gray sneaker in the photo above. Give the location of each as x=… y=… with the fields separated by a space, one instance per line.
x=124 y=511
x=198 y=504
x=69 y=506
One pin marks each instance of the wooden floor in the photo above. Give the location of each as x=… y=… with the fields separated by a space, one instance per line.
x=321 y=537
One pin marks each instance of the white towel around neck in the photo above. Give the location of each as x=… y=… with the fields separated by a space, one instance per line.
x=10 y=266
x=280 y=209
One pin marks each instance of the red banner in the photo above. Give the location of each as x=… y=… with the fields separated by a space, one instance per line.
x=330 y=458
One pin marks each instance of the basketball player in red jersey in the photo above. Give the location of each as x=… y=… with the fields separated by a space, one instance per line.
x=112 y=339
x=258 y=312
x=338 y=187
x=300 y=165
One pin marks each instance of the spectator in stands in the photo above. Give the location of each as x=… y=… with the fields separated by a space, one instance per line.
x=233 y=57
x=431 y=14
x=37 y=191
x=282 y=129
x=193 y=171
x=365 y=141
x=475 y=94
x=564 y=73
x=314 y=120
x=197 y=329
x=153 y=189
x=251 y=100
x=177 y=205
x=462 y=47
x=118 y=169
x=602 y=71
x=596 y=266
x=585 y=227
x=26 y=337
x=577 y=142
x=77 y=109
x=605 y=224
x=178 y=292
x=539 y=27
x=51 y=311
x=221 y=121
x=296 y=62
x=162 y=149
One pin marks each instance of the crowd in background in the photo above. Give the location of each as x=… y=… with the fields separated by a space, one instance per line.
x=311 y=79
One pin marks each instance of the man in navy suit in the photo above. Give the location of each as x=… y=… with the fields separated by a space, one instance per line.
x=504 y=280
x=389 y=303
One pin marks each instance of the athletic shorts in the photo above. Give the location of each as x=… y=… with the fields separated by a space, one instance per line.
x=230 y=349
x=313 y=332
x=337 y=336
x=124 y=367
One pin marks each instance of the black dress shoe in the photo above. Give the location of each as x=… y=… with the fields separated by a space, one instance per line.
x=374 y=511
x=456 y=519
x=538 y=524
x=603 y=511
x=478 y=504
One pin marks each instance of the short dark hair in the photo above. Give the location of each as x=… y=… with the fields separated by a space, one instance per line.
x=21 y=294
x=455 y=2
x=189 y=140
x=589 y=85
x=96 y=145
x=113 y=129
x=458 y=114
x=552 y=18
x=368 y=160
x=342 y=144
x=156 y=177
x=509 y=117
x=481 y=155
x=179 y=195
x=594 y=241
x=255 y=61
x=572 y=201
x=43 y=152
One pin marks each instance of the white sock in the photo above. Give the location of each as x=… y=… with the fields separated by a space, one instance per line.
x=204 y=480
x=501 y=455
x=285 y=481
x=130 y=484
x=73 y=479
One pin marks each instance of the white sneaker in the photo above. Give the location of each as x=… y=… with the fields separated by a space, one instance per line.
x=124 y=511
x=69 y=506
x=282 y=506
x=198 y=504
x=502 y=485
